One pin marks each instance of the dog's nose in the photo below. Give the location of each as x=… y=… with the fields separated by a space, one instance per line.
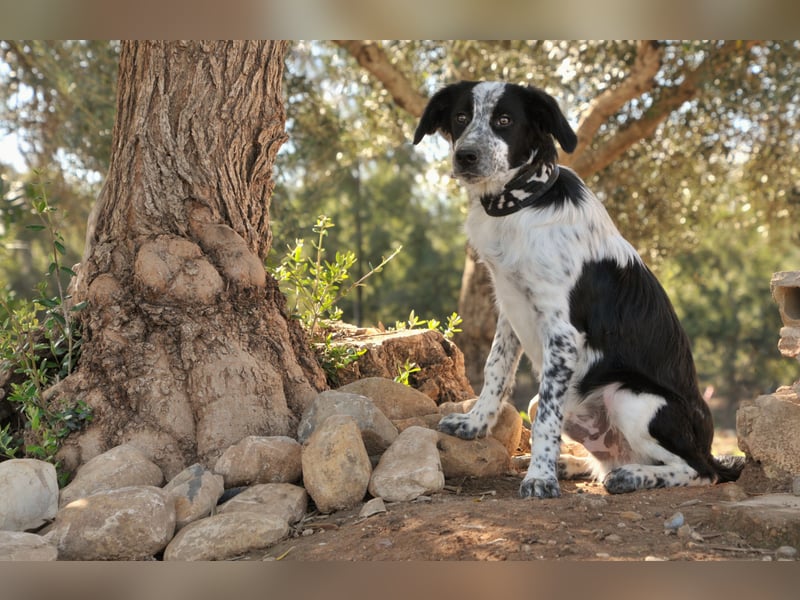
x=466 y=157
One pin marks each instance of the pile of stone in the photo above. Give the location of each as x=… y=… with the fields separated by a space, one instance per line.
x=371 y=439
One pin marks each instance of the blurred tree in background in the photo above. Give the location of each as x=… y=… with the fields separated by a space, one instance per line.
x=689 y=144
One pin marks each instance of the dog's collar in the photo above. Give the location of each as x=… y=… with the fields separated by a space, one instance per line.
x=524 y=190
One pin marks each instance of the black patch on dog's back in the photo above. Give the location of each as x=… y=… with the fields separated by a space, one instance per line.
x=617 y=308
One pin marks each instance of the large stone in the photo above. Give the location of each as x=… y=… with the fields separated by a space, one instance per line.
x=28 y=494
x=409 y=468
x=482 y=457
x=441 y=376
x=256 y=459
x=785 y=288
x=283 y=500
x=508 y=428
x=769 y=520
x=428 y=421
x=789 y=342
x=123 y=466
x=195 y=491
x=768 y=428
x=226 y=536
x=131 y=523
x=395 y=400
x=336 y=466
x=18 y=545
x=377 y=431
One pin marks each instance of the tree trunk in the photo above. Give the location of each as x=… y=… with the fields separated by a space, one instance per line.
x=187 y=344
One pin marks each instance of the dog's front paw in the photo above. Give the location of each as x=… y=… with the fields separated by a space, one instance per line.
x=540 y=488
x=464 y=426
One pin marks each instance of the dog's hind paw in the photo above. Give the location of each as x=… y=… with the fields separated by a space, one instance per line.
x=540 y=488
x=622 y=481
x=462 y=426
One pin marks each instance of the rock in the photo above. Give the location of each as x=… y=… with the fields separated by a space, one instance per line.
x=225 y=536
x=373 y=507
x=131 y=523
x=393 y=399
x=630 y=515
x=507 y=429
x=789 y=342
x=441 y=376
x=483 y=457
x=796 y=485
x=377 y=430
x=428 y=421
x=675 y=522
x=767 y=428
x=409 y=468
x=196 y=491
x=336 y=467
x=120 y=467
x=785 y=288
x=283 y=500
x=28 y=494
x=18 y=545
x=770 y=520
x=786 y=552
x=257 y=459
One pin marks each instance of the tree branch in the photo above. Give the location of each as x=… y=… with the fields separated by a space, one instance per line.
x=640 y=80
x=372 y=58
x=591 y=161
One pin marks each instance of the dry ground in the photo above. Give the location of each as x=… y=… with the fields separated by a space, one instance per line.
x=484 y=519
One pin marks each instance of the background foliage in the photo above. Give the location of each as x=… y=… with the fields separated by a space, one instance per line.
x=710 y=198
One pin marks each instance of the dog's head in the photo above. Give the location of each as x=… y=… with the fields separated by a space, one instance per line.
x=495 y=127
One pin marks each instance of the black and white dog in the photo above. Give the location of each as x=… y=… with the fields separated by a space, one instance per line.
x=615 y=367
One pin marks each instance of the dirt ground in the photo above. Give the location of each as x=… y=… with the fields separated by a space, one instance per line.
x=484 y=519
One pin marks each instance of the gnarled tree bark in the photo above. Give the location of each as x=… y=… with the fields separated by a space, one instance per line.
x=187 y=344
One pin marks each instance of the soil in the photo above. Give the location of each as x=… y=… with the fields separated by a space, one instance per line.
x=484 y=519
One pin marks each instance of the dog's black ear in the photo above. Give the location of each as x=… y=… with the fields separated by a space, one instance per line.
x=436 y=113
x=552 y=119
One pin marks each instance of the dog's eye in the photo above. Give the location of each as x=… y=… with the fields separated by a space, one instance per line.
x=502 y=121
x=462 y=118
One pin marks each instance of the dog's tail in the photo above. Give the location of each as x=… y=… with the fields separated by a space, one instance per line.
x=727 y=467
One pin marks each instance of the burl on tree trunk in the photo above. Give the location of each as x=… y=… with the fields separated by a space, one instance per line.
x=187 y=344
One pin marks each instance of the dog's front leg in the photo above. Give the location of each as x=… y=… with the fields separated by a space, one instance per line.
x=558 y=366
x=498 y=379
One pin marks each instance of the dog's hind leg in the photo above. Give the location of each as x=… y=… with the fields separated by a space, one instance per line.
x=498 y=380
x=629 y=478
x=570 y=466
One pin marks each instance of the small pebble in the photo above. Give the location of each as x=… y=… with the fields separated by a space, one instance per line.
x=654 y=559
x=603 y=555
x=675 y=521
x=373 y=507
x=684 y=531
x=786 y=552
x=631 y=515
x=612 y=538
